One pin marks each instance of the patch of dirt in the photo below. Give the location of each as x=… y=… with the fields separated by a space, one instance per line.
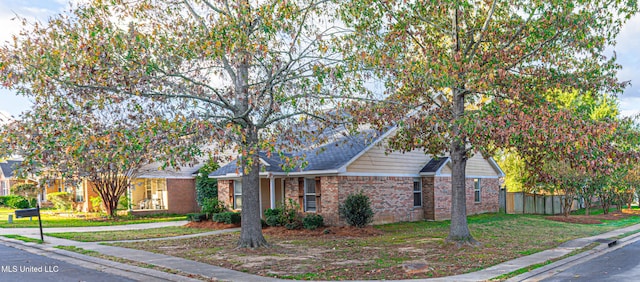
x=210 y=225
x=593 y=219
x=325 y=232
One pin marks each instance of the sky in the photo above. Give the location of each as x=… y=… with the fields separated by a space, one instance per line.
x=627 y=50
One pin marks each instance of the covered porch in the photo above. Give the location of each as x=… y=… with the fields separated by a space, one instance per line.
x=149 y=194
x=272 y=193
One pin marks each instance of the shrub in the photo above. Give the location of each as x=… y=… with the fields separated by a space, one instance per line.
x=17 y=202
x=312 y=221
x=4 y=200
x=227 y=217
x=212 y=206
x=61 y=200
x=356 y=210
x=96 y=204
x=33 y=202
x=290 y=215
x=273 y=217
x=123 y=202
x=286 y=215
x=196 y=217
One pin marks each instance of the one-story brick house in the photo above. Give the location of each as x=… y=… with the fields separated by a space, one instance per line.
x=402 y=186
x=154 y=191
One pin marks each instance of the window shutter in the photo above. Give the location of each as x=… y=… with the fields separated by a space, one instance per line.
x=301 y=192
x=231 y=192
x=318 y=193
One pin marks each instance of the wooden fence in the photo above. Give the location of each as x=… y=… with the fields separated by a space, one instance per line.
x=520 y=203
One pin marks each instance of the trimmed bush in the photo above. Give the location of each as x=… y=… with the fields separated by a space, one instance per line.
x=356 y=210
x=273 y=217
x=4 y=200
x=196 y=217
x=17 y=202
x=212 y=206
x=312 y=221
x=61 y=200
x=227 y=217
x=286 y=215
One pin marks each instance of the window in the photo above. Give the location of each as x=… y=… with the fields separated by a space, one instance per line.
x=417 y=192
x=237 y=195
x=476 y=190
x=79 y=193
x=309 y=195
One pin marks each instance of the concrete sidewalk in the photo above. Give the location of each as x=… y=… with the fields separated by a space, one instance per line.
x=197 y=268
x=36 y=231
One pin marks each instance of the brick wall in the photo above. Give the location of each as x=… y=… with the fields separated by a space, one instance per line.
x=442 y=197
x=224 y=190
x=428 y=197
x=489 y=196
x=391 y=197
x=181 y=196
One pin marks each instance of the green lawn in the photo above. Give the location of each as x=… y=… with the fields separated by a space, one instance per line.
x=129 y=234
x=322 y=255
x=50 y=219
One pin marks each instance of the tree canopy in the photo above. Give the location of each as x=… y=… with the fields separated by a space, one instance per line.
x=249 y=69
x=468 y=71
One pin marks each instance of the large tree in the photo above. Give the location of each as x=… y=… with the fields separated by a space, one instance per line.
x=106 y=145
x=245 y=67
x=459 y=65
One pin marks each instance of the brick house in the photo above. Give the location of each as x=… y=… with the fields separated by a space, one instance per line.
x=154 y=191
x=164 y=191
x=407 y=186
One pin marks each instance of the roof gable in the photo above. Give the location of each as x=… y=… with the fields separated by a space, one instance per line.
x=8 y=167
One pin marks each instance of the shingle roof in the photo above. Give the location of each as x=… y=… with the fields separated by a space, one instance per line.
x=434 y=164
x=154 y=170
x=331 y=156
x=8 y=167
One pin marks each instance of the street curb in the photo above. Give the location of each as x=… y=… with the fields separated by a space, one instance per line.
x=558 y=266
x=104 y=265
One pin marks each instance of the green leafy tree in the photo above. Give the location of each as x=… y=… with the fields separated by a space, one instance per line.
x=249 y=69
x=206 y=188
x=467 y=70
x=104 y=144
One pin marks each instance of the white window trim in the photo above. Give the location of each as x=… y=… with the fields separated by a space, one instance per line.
x=419 y=181
x=477 y=187
x=313 y=180
x=235 y=193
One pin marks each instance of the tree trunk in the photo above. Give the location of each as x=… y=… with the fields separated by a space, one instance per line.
x=459 y=229
x=251 y=232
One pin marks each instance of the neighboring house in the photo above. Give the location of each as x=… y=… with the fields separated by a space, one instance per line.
x=165 y=191
x=8 y=178
x=153 y=191
x=402 y=186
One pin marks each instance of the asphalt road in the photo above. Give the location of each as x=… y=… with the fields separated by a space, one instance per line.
x=21 y=266
x=620 y=265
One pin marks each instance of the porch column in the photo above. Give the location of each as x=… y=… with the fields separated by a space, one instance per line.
x=272 y=191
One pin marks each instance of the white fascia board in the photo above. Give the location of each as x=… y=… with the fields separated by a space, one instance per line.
x=343 y=168
x=467 y=176
x=442 y=166
x=495 y=166
x=313 y=172
x=378 y=174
